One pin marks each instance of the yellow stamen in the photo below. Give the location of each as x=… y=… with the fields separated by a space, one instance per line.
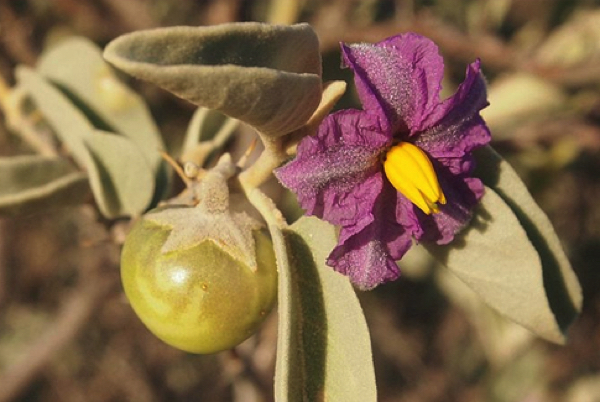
x=410 y=171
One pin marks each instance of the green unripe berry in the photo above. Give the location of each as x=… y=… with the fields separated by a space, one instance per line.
x=198 y=299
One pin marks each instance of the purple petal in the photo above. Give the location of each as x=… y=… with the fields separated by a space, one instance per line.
x=367 y=253
x=337 y=174
x=455 y=126
x=406 y=215
x=366 y=260
x=462 y=194
x=399 y=77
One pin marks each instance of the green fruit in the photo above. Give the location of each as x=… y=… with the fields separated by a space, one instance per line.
x=198 y=299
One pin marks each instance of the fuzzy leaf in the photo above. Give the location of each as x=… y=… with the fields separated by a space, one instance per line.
x=495 y=257
x=327 y=353
x=268 y=76
x=561 y=284
x=31 y=182
x=69 y=123
x=77 y=66
x=119 y=175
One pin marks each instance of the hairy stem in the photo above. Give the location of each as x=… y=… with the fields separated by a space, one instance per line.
x=197 y=151
x=262 y=169
x=276 y=224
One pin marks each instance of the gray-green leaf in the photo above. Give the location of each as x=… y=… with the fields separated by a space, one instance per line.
x=120 y=177
x=561 y=284
x=327 y=356
x=495 y=257
x=69 y=123
x=268 y=76
x=77 y=66
x=31 y=182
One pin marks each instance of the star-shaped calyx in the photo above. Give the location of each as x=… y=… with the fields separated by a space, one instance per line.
x=211 y=219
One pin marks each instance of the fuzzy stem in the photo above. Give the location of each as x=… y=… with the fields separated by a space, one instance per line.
x=272 y=156
x=276 y=224
x=332 y=92
x=198 y=151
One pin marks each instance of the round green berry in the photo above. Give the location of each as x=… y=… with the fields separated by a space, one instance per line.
x=199 y=299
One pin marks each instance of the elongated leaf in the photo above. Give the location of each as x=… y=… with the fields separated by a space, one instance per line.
x=502 y=339
x=120 y=177
x=561 y=284
x=328 y=352
x=268 y=76
x=69 y=123
x=24 y=172
x=496 y=259
x=31 y=182
x=77 y=66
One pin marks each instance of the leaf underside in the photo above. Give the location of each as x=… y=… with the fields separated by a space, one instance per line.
x=560 y=282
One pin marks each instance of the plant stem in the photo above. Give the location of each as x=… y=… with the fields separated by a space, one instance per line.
x=197 y=151
x=272 y=156
x=10 y=103
x=276 y=224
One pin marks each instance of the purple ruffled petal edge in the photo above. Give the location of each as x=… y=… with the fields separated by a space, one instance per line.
x=399 y=78
x=455 y=126
x=367 y=252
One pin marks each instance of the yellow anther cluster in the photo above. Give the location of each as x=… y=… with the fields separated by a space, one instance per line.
x=410 y=171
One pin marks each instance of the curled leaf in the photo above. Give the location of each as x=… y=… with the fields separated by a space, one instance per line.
x=268 y=76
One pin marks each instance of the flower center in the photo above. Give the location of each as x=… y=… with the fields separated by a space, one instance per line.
x=410 y=171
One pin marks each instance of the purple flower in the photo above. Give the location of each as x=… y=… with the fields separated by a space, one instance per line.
x=398 y=170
